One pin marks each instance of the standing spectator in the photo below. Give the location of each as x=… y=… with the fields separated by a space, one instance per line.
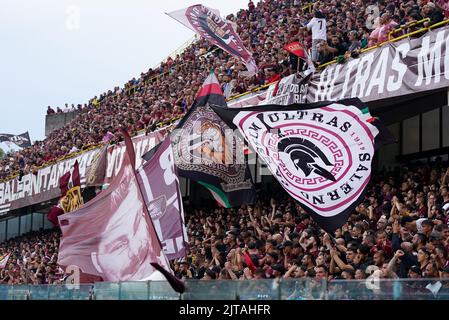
x=386 y=26
x=318 y=27
x=50 y=110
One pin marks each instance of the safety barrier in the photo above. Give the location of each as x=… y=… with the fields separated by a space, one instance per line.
x=265 y=289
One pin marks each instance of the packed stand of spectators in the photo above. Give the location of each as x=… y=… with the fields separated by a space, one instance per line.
x=330 y=29
x=400 y=230
x=33 y=259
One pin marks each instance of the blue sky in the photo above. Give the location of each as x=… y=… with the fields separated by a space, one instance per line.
x=67 y=51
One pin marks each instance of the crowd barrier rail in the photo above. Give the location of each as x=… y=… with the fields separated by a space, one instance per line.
x=265 y=289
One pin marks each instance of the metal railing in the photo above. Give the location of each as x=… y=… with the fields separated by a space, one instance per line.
x=283 y=289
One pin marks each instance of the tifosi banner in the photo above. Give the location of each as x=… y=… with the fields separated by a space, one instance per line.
x=208 y=24
x=395 y=70
x=320 y=153
x=44 y=185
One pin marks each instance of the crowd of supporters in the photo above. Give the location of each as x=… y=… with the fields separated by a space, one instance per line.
x=330 y=29
x=400 y=230
x=32 y=259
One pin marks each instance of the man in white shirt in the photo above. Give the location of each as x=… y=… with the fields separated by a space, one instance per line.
x=318 y=26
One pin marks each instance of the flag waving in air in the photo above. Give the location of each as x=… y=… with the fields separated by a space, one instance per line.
x=71 y=196
x=208 y=24
x=112 y=237
x=321 y=153
x=207 y=151
x=21 y=140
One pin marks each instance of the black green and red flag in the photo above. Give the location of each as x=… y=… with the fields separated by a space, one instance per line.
x=207 y=151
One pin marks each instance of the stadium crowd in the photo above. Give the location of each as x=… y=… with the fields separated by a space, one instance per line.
x=32 y=259
x=400 y=230
x=330 y=29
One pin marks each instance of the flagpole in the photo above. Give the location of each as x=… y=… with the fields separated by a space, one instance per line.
x=176 y=284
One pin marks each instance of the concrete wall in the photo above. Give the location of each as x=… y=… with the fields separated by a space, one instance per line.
x=58 y=120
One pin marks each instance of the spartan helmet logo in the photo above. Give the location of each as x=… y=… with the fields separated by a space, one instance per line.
x=304 y=155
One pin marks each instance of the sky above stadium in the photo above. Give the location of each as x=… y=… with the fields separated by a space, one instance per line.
x=68 y=51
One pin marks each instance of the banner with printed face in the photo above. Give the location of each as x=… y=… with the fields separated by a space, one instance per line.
x=320 y=153
x=208 y=24
x=162 y=195
x=112 y=236
x=44 y=184
x=207 y=151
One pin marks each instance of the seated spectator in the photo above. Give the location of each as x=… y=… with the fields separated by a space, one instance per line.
x=354 y=43
x=433 y=13
x=324 y=54
x=336 y=48
x=272 y=75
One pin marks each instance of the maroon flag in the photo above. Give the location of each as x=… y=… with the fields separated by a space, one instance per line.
x=76 y=178
x=164 y=200
x=64 y=183
x=53 y=215
x=112 y=236
x=208 y=23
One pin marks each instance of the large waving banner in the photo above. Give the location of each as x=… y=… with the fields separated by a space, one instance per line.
x=320 y=153
x=164 y=201
x=208 y=24
x=112 y=236
x=44 y=185
x=207 y=151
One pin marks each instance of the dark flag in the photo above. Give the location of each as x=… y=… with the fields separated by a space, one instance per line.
x=207 y=151
x=321 y=153
x=22 y=140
